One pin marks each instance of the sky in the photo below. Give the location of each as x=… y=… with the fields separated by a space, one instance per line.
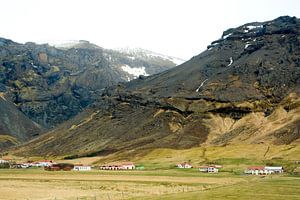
x=180 y=28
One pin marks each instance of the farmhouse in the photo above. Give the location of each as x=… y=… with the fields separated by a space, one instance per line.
x=264 y=170
x=123 y=166
x=128 y=165
x=210 y=168
x=80 y=167
x=184 y=165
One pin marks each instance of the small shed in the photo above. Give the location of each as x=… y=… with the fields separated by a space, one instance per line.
x=210 y=168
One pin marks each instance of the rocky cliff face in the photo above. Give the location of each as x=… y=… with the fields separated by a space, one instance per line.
x=243 y=89
x=51 y=85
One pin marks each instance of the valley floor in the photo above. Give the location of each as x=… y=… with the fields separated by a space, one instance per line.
x=158 y=184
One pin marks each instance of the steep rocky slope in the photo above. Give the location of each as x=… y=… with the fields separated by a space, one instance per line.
x=51 y=85
x=244 y=89
x=15 y=127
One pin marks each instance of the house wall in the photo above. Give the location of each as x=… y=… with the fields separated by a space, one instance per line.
x=82 y=168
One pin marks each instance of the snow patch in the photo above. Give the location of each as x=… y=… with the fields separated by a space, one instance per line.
x=197 y=90
x=34 y=66
x=226 y=36
x=231 y=61
x=247 y=45
x=250 y=27
x=135 y=71
x=131 y=57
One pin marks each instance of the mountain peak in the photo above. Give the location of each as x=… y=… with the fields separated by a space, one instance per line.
x=280 y=25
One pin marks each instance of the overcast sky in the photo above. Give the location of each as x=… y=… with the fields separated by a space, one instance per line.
x=181 y=28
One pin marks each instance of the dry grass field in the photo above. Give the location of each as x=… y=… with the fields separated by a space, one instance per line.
x=158 y=184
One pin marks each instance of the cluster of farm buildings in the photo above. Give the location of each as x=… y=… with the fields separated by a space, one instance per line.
x=254 y=170
x=50 y=165
x=53 y=166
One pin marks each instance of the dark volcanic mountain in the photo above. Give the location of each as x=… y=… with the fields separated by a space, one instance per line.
x=51 y=85
x=243 y=89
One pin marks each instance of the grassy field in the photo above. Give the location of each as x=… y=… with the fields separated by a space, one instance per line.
x=154 y=184
x=161 y=180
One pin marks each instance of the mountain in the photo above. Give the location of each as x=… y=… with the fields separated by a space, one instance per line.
x=51 y=85
x=244 y=89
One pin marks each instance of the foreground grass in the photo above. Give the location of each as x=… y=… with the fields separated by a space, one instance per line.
x=270 y=188
x=39 y=184
x=161 y=184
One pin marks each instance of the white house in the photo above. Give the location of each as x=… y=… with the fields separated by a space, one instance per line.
x=82 y=167
x=3 y=161
x=126 y=166
x=210 y=168
x=184 y=165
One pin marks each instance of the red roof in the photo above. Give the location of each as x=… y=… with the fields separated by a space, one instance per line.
x=256 y=168
x=129 y=163
x=185 y=163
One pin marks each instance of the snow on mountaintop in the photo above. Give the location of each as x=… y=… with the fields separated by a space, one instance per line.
x=139 y=52
x=68 y=44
